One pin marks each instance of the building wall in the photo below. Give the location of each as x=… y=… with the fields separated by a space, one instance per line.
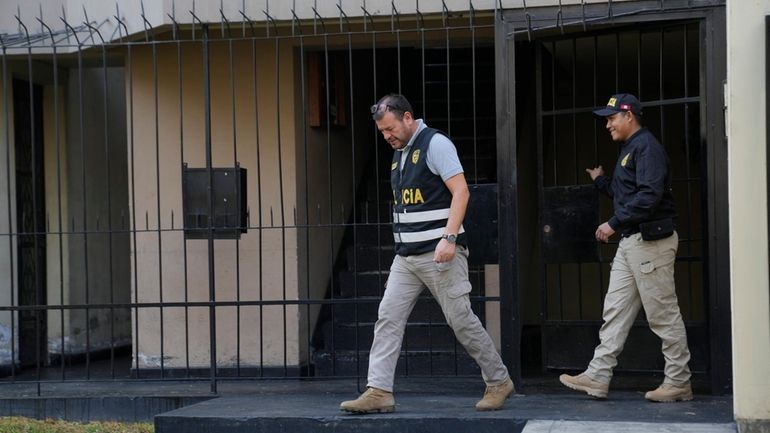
x=747 y=135
x=57 y=205
x=71 y=332
x=159 y=13
x=263 y=264
x=95 y=208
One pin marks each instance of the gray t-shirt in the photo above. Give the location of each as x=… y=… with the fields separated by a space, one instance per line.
x=442 y=156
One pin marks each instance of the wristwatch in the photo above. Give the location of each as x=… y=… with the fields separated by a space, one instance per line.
x=450 y=238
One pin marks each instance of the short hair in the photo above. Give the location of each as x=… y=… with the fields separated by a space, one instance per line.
x=393 y=102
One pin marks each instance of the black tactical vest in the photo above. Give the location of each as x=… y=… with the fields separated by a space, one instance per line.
x=421 y=201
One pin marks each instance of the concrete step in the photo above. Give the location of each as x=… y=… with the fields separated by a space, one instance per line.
x=321 y=414
x=433 y=405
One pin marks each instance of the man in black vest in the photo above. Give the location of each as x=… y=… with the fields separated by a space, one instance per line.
x=643 y=269
x=430 y=197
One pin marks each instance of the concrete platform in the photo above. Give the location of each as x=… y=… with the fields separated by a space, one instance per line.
x=443 y=406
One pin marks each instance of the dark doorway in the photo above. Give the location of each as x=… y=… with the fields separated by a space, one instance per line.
x=30 y=220
x=569 y=76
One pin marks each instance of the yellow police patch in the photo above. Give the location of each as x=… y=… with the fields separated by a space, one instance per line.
x=393 y=166
x=625 y=160
x=415 y=156
x=612 y=102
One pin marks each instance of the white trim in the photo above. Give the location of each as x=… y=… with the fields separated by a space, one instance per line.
x=418 y=217
x=426 y=235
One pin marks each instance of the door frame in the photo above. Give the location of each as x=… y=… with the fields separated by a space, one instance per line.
x=516 y=24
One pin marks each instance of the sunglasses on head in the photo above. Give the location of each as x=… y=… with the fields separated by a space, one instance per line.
x=385 y=107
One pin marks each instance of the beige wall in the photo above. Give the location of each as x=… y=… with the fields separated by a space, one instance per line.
x=268 y=256
x=65 y=269
x=747 y=135
x=328 y=175
x=57 y=207
x=88 y=184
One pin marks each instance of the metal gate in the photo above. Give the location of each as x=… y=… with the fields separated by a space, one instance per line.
x=661 y=65
x=556 y=65
x=210 y=201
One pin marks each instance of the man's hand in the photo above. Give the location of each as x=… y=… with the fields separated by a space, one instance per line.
x=595 y=172
x=445 y=252
x=604 y=231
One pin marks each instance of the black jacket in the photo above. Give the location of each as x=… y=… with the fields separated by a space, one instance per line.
x=640 y=185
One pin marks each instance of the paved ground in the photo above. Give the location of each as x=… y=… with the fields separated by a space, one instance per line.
x=424 y=405
x=541 y=426
x=442 y=406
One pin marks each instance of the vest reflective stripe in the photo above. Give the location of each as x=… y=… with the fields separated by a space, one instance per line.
x=418 y=217
x=427 y=235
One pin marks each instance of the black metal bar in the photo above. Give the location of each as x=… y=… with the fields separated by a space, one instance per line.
x=182 y=166
x=303 y=97
x=281 y=200
x=596 y=153
x=105 y=102
x=156 y=101
x=57 y=133
x=132 y=193
x=355 y=191
x=645 y=104
x=712 y=78
x=448 y=87
x=81 y=124
x=201 y=304
x=210 y=199
x=237 y=240
x=578 y=172
x=329 y=174
x=510 y=308
x=687 y=168
x=259 y=203
x=425 y=117
x=539 y=83
x=473 y=97
x=555 y=180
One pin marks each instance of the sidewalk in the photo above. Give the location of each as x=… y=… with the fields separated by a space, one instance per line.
x=540 y=426
x=441 y=406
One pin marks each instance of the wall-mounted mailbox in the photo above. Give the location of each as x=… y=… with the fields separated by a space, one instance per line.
x=229 y=196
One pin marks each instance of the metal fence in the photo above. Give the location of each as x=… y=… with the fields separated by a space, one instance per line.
x=209 y=201
x=205 y=201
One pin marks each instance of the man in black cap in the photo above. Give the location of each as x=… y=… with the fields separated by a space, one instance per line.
x=642 y=272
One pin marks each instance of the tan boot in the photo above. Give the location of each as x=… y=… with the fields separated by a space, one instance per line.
x=495 y=396
x=581 y=382
x=668 y=393
x=373 y=400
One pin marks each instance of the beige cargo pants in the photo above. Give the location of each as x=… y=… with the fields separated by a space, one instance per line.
x=449 y=285
x=642 y=276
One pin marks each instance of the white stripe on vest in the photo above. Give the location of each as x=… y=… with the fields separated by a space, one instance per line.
x=419 y=217
x=426 y=235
